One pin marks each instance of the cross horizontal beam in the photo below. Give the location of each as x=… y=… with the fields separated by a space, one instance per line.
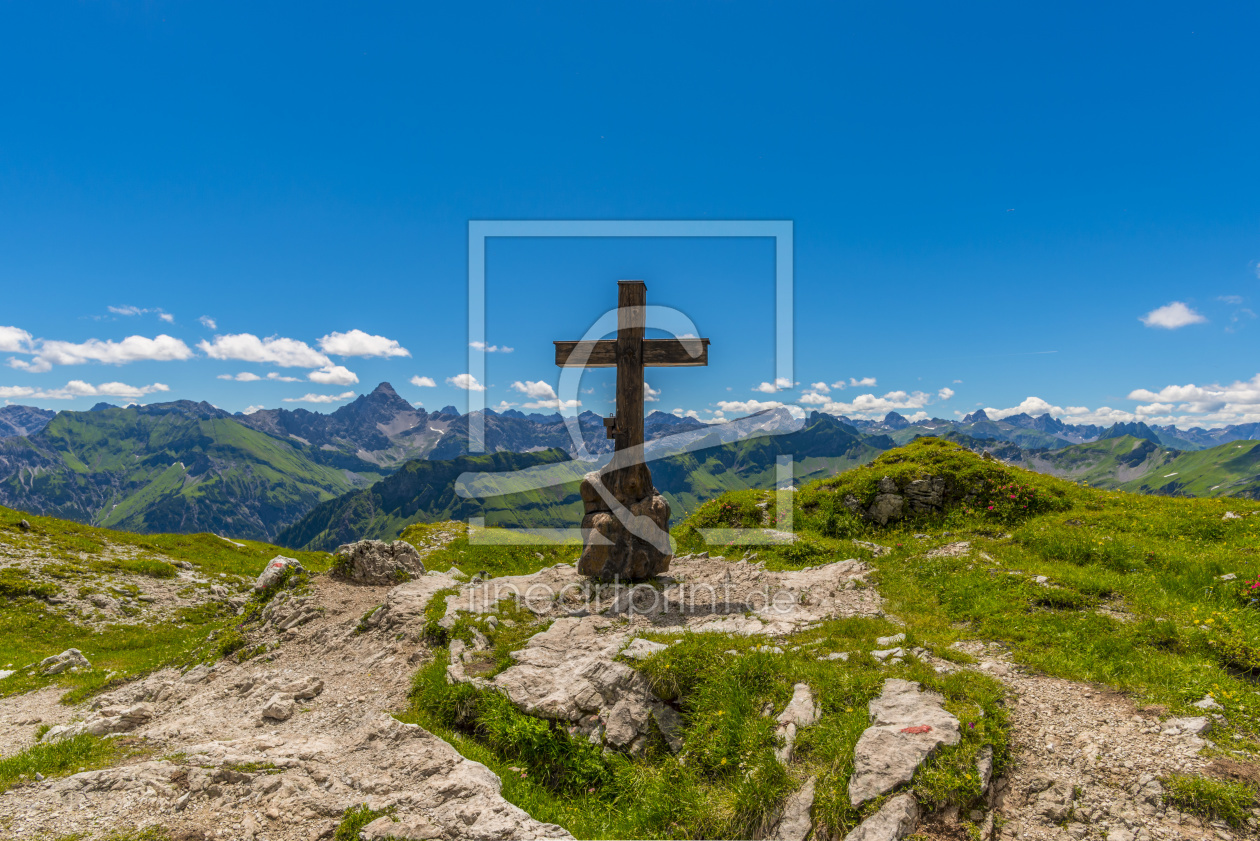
x=657 y=353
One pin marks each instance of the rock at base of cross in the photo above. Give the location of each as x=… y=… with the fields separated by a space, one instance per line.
x=611 y=550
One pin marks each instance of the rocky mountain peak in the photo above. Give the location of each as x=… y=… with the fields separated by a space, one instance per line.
x=893 y=420
x=976 y=417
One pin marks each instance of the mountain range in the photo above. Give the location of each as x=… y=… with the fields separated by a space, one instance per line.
x=687 y=470
x=307 y=477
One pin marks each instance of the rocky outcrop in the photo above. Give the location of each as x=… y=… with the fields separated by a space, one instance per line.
x=634 y=549
x=893 y=502
x=568 y=674
x=907 y=726
x=103 y=722
x=377 y=562
x=71 y=658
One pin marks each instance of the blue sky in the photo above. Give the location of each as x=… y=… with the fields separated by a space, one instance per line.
x=986 y=201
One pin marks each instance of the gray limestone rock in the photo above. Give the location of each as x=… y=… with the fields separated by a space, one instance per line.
x=641 y=649
x=907 y=726
x=279 y=708
x=71 y=658
x=377 y=562
x=275 y=569
x=925 y=495
x=794 y=824
x=895 y=820
x=886 y=508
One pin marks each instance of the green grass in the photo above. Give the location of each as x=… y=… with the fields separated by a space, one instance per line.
x=726 y=781
x=354 y=819
x=1213 y=799
x=58 y=759
x=31 y=629
x=493 y=559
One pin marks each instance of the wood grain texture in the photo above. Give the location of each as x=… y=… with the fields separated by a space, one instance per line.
x=657 y=353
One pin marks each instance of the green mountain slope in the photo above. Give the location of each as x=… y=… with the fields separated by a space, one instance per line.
x=423 y=491
x=182 y=467
x=1140 y=465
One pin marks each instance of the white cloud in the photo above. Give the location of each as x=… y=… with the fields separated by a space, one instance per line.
x=544 y=396
x=747 y=407
x=210 y=324
x=865 y=382
x=538 y=389
x=243 y=377
x=333 y=375
x=161 y=348
x=813 y=398
x=130 y=310
x=504 y=406
x=423 y=382
x=820 y=387
x=465 y=381
x=690 y=413
x=552 y=404
x=249 y=410
x=957 y=382
x=280 y=378
x=275 y=350
x=839 y=384
x=1171 y=316
x=1034 y=406
x=490 y=348
x=358 y=343
x=1237 y=398
x=779 y=384
x=650 y=395
x=945 y=393
x=1230 y=299
x=868 y=405
x=13 y=340
x=78 y=388
x=320 y=398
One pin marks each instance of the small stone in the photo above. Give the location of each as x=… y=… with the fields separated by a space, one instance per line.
x=279 y=708
x=1229 y=515
x=889 y=642
x=835 y=655
x=24 y=525
x=1207 y=703
x=275 y=569
x=1229 y=576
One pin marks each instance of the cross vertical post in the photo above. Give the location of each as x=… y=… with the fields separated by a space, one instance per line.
x=631 y=321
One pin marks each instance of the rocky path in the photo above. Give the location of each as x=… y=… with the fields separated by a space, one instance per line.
x=279 y=746
x=1087 y=763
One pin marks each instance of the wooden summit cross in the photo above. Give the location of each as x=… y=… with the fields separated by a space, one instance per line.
x=629 y=353
x=625 y=530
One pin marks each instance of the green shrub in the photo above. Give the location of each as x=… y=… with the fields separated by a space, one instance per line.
x=1213 y=799
x=229 y=641
x=355 y=818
